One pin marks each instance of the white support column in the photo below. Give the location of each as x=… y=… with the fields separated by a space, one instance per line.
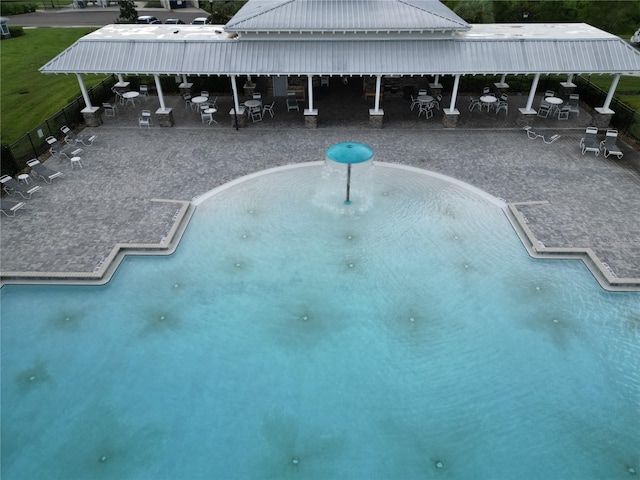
x=184 y=78
x=234 y=87
x=437 y=80
x=607 y=102
x=528 y=110
x=570 y=78
x=159 y=89
x=502 y=85
x=454 y=96
x=310 y=89
x=120 y=79
x=376 y=107
x=85 y=93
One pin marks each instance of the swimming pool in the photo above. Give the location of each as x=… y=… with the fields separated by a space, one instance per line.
x=407 y=335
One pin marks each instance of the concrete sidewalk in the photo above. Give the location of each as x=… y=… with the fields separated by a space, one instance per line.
x=73 y=225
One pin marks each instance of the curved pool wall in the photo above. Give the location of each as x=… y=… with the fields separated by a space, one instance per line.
x=286 y=338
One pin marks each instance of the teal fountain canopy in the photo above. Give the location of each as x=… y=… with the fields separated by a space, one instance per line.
x=350 y=152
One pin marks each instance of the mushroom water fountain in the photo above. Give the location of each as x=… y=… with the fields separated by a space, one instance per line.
x=349 y=154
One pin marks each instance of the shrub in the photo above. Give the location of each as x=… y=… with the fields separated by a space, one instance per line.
x=16 y=31
x=16 y=8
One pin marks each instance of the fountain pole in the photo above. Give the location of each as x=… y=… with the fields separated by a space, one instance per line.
x=347 y=201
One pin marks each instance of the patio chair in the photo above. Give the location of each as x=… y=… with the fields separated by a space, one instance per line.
x=187 y=100
x=119 y=97
x=257 y=96
x=473 y=103
x=14 y=187
x=563 y=113
x=72 y=138
x=109 y=110
x=426 y=109
x=145 y=119
x=9 y=207
x=214 y=103
x=502 y=105
x=144 y=91
x=268 y=108
x=531 y=133
x=544 y=110
x=422 y=92
x=40 y=171
x=414 y=102
x=589 y=143
x=292 y=103
x=549 y=93
x=609 y=145
x=204 y=93
x=256 y=114
x=486 y=91
x=206 y=116
x=504 y=97
x=574 y=103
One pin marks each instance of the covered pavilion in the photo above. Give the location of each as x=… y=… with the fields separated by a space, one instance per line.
x=301 y=43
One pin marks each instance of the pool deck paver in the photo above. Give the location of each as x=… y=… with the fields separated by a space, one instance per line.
x=73 y=224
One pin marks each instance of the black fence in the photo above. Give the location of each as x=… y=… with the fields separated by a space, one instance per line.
x=33 y=143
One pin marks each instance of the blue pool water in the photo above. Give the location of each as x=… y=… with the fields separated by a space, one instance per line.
x=408 y=335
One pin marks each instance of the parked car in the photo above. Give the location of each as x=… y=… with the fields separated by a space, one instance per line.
x=147 y=19
x=173 y=21
x=635 y=38
x=200 y=21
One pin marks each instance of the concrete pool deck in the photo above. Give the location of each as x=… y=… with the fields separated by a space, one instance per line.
x=136 y=185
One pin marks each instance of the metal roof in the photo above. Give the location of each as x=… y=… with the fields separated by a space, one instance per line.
x=199 y=50
x=345 y=15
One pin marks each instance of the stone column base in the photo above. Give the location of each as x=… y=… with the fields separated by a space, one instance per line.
x=451 y=117
x=185 y=88
x=249 y=88
x=122 y=86
x=241 y=117
x=500 y=88
x=525 y=117
x=566 y=89
x=376 y=119
x=435 y=89
x=311 y=118
x=602 y=117
x=165 y=117
x=92 y=116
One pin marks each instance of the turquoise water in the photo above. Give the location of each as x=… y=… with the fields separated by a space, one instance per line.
x=408 y=335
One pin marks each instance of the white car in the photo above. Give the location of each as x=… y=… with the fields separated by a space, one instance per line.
x=200 y=21
x=635 y=38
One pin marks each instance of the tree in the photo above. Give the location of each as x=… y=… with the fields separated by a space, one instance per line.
x=128 y=12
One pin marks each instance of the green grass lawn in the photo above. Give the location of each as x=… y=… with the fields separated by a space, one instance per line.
x=28 y=97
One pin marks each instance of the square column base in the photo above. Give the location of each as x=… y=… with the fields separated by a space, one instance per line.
x=525 y=117
x=249 y=88
x=241 y=118
x=185 y=88
x=500 y=88
x=376 y=119
x=450 y=119
x=92 y=116
x=566 y=89
x=311 y=118
x=165 y=117
x=435 y=89
x=602 y=117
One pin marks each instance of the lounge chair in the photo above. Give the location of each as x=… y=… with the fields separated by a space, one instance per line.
x=9 y=207
x=72 y=138
x=14 y=187
x=546 y=136
x=589 y=143
x=609 y=145
x=56 y=148
x=40 y=171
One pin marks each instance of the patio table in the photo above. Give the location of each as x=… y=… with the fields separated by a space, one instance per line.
x=555 y=103
x=131 y=97
x=199 y=99
x=488 y=101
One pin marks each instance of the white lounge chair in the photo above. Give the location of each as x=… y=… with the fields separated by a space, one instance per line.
x=574 y=103
x=40 y=171
x=14 y=187
x=9 y=207
x=589 y=143
x=609 y=145
x=72 y=138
